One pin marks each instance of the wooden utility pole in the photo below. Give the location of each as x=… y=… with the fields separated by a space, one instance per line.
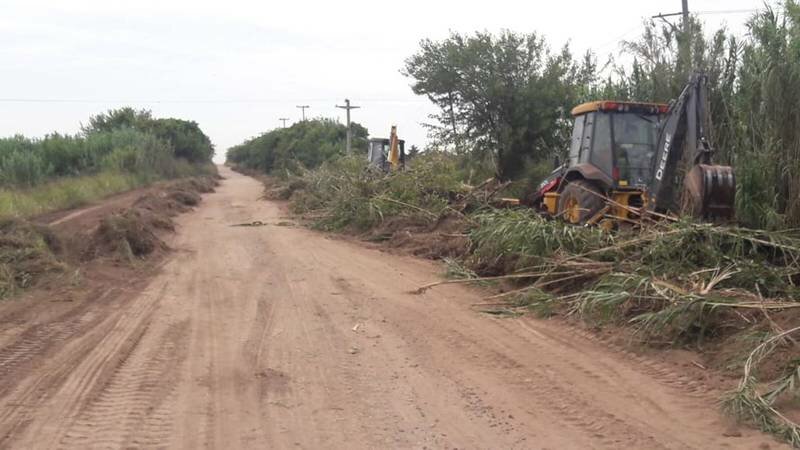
x=349 y=131
x=685 y=5
x=303 y=107
x=284 y=119
x=684 y=12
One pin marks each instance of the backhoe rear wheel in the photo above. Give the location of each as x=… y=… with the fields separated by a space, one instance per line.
x=579 y=202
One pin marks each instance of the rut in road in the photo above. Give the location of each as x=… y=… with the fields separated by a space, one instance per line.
x=280 y=337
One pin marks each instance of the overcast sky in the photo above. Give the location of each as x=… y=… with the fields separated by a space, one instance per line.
x=236 y=67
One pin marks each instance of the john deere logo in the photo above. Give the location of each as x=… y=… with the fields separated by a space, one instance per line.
x=664 y=156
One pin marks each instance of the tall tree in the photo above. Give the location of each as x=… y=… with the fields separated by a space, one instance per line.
x=504 y=96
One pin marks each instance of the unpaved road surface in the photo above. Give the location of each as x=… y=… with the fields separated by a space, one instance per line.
x=280 y=337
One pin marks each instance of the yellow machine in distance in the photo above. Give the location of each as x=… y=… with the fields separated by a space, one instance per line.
x=387 y=154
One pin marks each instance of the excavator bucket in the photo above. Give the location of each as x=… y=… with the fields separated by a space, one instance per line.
x=709 y=192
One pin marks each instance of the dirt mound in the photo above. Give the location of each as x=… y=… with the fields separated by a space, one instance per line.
x=27 y=252
x=446 y=238
x=160 y=202
x=187 y=198
x=203 y=185
x=276 y=190
x=155 y=219
x=125 y=228
x=177 y=197
x=134 y=233
x=130 y=234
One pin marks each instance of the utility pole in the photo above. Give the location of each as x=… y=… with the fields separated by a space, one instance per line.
x=685 y=5
x=303 y=107
x=349 y=131
x=684 y=12
x=284 y=119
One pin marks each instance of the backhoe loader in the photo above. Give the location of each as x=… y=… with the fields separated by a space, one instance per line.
x=629 y=157
x=387 y=154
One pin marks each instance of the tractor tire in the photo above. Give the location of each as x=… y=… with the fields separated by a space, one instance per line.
x=579 y=202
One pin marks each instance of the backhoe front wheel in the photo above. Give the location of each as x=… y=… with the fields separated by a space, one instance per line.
x=579 y=202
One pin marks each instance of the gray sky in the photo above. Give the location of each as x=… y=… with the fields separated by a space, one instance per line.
x=236 y=66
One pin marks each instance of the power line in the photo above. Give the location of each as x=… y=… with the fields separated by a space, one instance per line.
x=727 y=11
x=618 y=38
x=284 y=119
x=704 y=13
x=89 y=100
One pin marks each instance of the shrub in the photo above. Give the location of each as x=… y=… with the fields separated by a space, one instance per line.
x=27 y=252
x=345 y=192
x=304 y=145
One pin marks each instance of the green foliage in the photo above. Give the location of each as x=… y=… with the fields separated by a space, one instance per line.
x=512 y=239
x=757 y=402
x=119 y=150
x=137 y=152
x=185 y=137
x=26 y=252
x=304 y=145
x=115 y=119
x=345 y=192
x=126 y=140
x=503 y=96
x=69 y=192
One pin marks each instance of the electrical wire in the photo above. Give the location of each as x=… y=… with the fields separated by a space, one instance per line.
x=190 y=101
x=725 y=11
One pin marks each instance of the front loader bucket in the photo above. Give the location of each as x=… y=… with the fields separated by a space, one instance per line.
x=709 y=192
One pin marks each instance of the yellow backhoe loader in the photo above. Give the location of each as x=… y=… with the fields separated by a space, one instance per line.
x=387 y=154
x=630 y=157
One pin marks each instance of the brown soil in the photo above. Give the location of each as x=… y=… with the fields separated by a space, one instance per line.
x=415 y=236
x=278 y=337
x=123 y=228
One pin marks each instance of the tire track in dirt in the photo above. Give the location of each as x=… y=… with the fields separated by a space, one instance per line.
x=134 y=408
x=48 y=401
x=18 y=356
x=551 y=390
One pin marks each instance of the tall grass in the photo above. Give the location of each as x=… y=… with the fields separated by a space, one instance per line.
x=346 y=193
x=66 y=193
x=62 y=171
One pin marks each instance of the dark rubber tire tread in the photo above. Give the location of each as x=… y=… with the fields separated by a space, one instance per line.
x=589 y=197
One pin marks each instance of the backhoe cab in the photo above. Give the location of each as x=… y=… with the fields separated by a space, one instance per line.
x=387 y=154
x=626 y=157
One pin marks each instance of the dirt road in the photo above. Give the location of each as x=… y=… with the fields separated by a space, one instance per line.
x=278 y=337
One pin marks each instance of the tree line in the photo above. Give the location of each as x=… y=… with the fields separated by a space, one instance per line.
x=125 y=139
x=304 y=145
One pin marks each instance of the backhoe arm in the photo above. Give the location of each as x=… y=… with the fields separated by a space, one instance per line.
x=683 y=160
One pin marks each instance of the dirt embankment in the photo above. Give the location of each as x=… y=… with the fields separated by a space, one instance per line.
x=52 y=250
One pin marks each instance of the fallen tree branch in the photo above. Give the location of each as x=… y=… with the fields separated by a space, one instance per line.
x=424 y=288
x=746 y=401
x=407 y=205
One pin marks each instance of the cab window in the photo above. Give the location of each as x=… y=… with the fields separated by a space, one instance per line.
x=575 y=143
x=602 y=150
x=635 y=141
x=586 y=140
